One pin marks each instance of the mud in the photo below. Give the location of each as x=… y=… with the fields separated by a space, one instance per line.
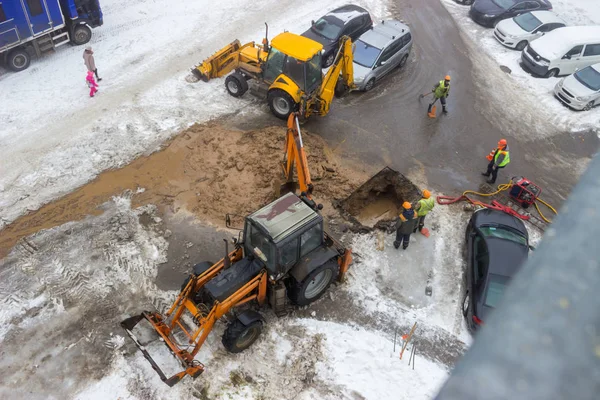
x=375 y=204
x=207 y=170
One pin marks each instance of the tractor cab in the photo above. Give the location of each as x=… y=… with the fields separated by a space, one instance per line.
x=283 y=232
x=298 y=59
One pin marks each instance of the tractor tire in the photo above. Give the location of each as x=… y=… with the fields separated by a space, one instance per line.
x=236 y=84
x=238 y=337
x=18 y=60
x=281 y=104
x=81 y=35
x=314 y=285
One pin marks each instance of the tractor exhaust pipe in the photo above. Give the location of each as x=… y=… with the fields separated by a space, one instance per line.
x=226 y=260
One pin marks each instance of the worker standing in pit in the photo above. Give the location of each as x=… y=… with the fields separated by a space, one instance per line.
x=440 y=92
x=499 y=158
x=405 y=226
x=423 y=207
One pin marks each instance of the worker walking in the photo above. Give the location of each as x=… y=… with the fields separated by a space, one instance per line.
x=423 y=207
x=499 y=158
x=440 y=92
x=405 y=226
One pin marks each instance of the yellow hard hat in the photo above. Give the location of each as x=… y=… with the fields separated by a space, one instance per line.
x=406 y=205
x=426 y=194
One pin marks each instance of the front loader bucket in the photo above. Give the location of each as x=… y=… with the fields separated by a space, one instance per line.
x=194 y=370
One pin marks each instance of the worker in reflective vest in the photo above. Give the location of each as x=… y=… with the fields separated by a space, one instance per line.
x=423 y=207
x=500 y=159
x=407 y=221
x=440 y=92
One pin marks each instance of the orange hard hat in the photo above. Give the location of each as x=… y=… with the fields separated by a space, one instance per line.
x=406 y=205
x=426 y=194
x=447 y=77
x=502 y=143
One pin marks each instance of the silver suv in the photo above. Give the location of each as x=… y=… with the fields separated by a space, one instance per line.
x=379 y=51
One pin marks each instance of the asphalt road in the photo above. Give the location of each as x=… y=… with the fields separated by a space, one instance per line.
x=389 y=125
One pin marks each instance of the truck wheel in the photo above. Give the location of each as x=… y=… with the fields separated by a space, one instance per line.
x=238 y=337
x=18 y=60
x=81 y=35
x=236 y=84
x=281 y=103
x=314 y=285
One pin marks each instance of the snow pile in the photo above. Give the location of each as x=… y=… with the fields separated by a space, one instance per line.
x=66 y=138
x=524 y=96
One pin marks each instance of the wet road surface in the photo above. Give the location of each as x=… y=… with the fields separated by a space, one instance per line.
x=389 y=125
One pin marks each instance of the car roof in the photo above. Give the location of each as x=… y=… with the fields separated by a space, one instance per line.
x=284 y=216
x=347 y=12
x=562 y=39
x=547 y=17
x=487 y=216
x=299 y=47
x=380 y=35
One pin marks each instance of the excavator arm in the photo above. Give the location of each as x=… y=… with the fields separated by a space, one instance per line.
x=341 y=65
x=295 y=155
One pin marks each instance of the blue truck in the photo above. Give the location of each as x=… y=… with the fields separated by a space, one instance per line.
x=38 y=26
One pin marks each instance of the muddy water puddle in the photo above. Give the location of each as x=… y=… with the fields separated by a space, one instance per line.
x=382 y=208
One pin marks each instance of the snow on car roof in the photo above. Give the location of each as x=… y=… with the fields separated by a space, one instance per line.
x=380 y=35
x=559 y=41
x=547 y=17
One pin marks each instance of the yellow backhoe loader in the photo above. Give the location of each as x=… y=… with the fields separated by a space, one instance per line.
x=284 y=256
x=287 y=72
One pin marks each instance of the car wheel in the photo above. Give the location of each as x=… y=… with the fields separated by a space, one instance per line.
x=281 y=104
x=81 y=35
x=238 y=337
x=521 y=45
x=589 y=106
x=328 y=60
x=370 y=84
x=552 y=73
x=18 y=60
x=403 y=61
x=465 y=305
x=236 y=84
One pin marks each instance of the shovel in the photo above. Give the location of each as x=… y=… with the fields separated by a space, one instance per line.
x=424 y=94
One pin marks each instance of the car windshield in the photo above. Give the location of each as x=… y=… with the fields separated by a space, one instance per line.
x=589 y=77
x=365 y=54
x=504 y=4
x=495 y=290
x=328 y=27
x=502 y=233
x=528 y=22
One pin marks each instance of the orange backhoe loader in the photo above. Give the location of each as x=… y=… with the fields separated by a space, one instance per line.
x=283 y=256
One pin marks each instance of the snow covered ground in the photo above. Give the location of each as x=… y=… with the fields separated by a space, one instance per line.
x=535 y=99
x=54 y=138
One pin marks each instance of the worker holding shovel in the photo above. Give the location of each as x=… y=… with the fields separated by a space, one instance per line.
x=440 y=92
x=423 y=207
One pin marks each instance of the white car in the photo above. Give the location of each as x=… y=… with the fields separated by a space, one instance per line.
x=517 y=32
x=580 y=91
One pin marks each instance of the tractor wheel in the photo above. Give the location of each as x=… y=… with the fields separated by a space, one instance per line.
x=236 y=84
x=18 y=60
x=314 y=285
x=238 y=337
x=281 y=104
x=185 y=282
x=81 y=35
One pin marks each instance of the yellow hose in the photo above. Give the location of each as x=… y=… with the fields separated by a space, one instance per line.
x=506 y=186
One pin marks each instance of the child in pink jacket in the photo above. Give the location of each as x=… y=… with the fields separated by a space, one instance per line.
x=91 y=83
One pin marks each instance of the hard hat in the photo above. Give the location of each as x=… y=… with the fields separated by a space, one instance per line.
x=447 y=77
x=426 y=194
x=406 y=205
x=502 y=143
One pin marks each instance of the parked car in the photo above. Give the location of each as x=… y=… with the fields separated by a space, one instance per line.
x=379 y=51
x=580 y=91
x=347 y=20
x=518 y=32
x=489 y=12
x=562 y=51
x=497 y=244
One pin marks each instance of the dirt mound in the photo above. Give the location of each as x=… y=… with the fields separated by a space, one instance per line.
x=208 y=170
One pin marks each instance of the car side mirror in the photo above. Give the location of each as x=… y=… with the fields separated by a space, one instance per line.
x=566 y=57
x=312 y=22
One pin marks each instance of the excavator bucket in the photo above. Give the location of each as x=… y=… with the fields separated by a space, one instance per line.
x=219 y=64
